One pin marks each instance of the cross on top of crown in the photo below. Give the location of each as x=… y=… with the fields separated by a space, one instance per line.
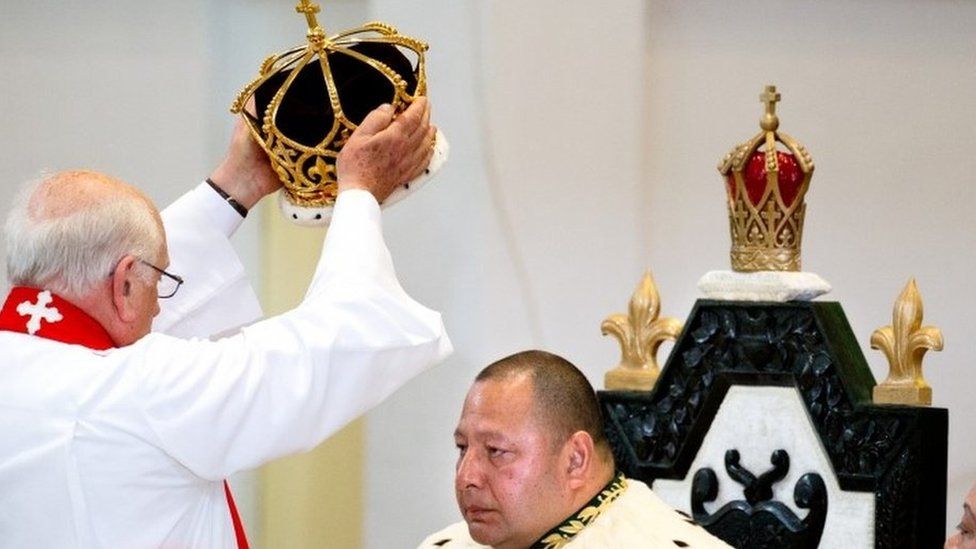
x=309 y=9
x=769 y=120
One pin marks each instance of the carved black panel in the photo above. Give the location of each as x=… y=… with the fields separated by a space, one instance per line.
x=897 y=452
x=760 y=522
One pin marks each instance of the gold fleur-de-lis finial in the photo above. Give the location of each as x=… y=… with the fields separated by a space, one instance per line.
x=640 y=333
x=905 y=343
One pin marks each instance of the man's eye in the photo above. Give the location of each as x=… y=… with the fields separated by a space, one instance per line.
x=495 y=452
x=461 y=448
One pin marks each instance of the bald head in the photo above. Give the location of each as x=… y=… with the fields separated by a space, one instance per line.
x=66 y=231
x=66 y=193
x=564 y=399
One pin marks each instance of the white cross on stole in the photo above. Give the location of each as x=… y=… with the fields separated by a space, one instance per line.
x=39 y=311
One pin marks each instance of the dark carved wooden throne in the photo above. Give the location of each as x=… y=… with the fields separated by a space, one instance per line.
x=762 y=427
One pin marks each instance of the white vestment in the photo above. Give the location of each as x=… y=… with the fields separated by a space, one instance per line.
x=128 y=448
x=637 y=519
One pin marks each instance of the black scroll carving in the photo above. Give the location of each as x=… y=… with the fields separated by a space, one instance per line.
x=761 y=522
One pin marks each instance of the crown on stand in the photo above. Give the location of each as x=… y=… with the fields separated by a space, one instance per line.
x=766 y=179
x=309 y=99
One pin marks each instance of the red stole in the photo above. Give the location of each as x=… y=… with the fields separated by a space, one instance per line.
x=44 y=314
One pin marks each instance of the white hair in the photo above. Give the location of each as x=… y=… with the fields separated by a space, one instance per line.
x=70 y=254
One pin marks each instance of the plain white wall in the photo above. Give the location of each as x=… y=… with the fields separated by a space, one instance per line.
x=92 y=85
x=585 y=137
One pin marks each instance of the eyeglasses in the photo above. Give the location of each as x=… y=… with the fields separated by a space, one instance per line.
x=168 y=283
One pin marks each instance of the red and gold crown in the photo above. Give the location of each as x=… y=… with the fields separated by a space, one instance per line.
x=766 y=179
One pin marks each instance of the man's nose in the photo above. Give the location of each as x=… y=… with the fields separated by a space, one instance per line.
x=469 y=470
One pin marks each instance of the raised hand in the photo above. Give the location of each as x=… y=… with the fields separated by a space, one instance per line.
x=384 y=153
x=245 y=173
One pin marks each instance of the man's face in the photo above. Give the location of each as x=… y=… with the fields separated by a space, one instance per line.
x=965 y=537
x=508 y=480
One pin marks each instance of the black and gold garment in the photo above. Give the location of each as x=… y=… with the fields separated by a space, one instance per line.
x=625 y=514
x=569 y=528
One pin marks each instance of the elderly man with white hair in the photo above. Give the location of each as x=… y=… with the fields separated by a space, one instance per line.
x=112 y=436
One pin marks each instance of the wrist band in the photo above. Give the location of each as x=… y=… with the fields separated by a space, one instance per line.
x=230 y=199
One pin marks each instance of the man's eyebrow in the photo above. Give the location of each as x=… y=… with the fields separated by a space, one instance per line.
x=495 y=436
x=490 y=435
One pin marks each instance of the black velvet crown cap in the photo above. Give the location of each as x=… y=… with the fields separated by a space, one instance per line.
x=305 y=114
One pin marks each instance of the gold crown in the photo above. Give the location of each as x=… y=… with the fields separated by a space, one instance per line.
x=337 y=79
x=765 y=196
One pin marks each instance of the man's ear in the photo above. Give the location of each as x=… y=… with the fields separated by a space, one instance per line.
x=123 y=278
x=580 y=456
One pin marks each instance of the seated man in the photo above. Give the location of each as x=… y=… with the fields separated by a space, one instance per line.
x=535 y=468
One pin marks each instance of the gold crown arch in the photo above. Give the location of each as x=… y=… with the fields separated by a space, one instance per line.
x=308 y=173
x=766 y=234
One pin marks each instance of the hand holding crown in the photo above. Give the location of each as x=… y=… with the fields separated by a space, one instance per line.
x=310 y=99
x=383 y=153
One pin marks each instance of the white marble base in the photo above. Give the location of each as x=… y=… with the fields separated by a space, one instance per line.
x=762 y=286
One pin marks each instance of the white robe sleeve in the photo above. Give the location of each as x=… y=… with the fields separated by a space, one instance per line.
x=286 y=383
x=216 y=296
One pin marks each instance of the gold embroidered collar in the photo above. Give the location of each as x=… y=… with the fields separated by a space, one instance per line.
x=568 y=529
